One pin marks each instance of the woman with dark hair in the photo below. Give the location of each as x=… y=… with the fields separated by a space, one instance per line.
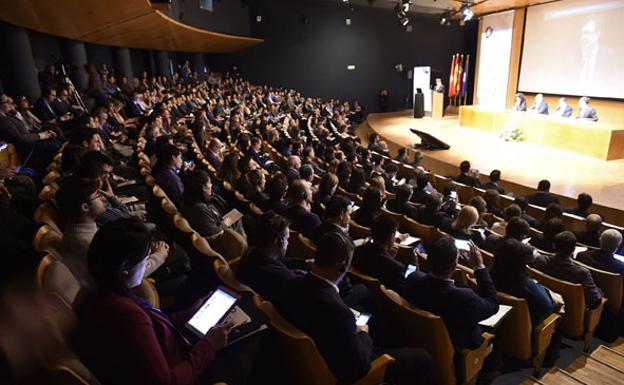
x=357 y=182
x=229 y=169
x=254 y=188
x=327 y=188
x=121 y=338
x=203 y=215
x=511 y=276
x=371 y=207
x=165 y=172
x=344 y=173
x=553 y=210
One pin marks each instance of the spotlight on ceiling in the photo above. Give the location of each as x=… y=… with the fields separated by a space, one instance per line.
x=406 y=5
x=468 y=14
x=405 y=21
x=443 y=20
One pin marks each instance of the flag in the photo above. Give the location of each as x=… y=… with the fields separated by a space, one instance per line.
x=451 y=88
x=458 y=75
x=465 y=80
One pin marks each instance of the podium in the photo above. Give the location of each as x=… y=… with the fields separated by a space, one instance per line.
x=437 y=105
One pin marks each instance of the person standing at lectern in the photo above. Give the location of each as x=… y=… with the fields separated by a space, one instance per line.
x=563 y=109
x=586 y=111
x=539 y=105
x=521 y=104
x=439 y=87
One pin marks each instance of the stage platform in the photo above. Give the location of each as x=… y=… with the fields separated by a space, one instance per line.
x=522 y=165
x=595 y=139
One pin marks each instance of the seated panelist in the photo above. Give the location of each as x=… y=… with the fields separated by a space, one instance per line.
x=539 y=105
x=520 y=104
x=586 y=111
x=563 y=109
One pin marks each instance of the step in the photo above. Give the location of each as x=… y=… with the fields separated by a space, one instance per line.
x=556 y=376
x=594 y=372
x=618 y=345
x=609 y=356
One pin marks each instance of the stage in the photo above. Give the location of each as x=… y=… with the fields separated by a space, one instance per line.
x=522 y=165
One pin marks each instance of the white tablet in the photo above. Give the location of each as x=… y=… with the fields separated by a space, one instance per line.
x=410 y=270
x=216 y=307
x=462 y=245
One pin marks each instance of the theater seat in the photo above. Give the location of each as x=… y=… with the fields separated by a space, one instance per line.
x=47 y=239
x=517 y=336
x=304 y=365
x=55 y=278
x=358 y=231
x=578 y=321
x=407 y=325
x=611 y=284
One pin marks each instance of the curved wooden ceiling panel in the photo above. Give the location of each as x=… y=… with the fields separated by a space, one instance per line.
x=484 y=7
x=124 y=23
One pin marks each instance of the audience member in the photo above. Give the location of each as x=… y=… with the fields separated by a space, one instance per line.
x=553 y=210
x=591 y=235
x=491 y=198
x=302 y=220
x=461 y=308
x=371 y=207
x=543 y=197
x=511 y=211
x=377 y=258
x=495 y=176
x=326 y=189
x=400 y=204
x=313 y=305
x=468 y=176
x=420 y=191
x=292 y=172
x=523 y=203
x=165 y=172
x=545 y=240
x=276 y=189
x=583 y=203
x=462 y=226
x=197 y=206
x=563 y=267
x=603 y=258
x=336 y=218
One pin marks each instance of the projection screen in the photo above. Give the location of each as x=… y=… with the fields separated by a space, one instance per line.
x=574 y=47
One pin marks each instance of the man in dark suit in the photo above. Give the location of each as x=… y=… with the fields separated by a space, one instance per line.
x=461 y=308
x=467 y=176
x=420 y=192
x=301 y=218
x=583 y=203
x=543 y=197
x=495 y=176
x=586 y=111
x=591 y=235
x=390 y=176
x=539 y=106
x=561 y=266
x=335 y=218
x=603 y=259
x=312 y=304
x=292 y=172
x=43 y=107
x=523 y=202
x=264 y=268
x=376 y=258
x=563 y=109
x=400 y=203
x=255 y=150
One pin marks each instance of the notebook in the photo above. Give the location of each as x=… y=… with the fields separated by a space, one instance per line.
x=496 y=319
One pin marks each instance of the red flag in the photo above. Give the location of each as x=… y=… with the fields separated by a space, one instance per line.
x=451 y=88
x=458 y=75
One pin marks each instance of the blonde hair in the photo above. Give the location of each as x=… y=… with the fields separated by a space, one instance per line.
x=379 y=182
x=466 y=218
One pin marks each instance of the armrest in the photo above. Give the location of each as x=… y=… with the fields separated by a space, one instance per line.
x=377 y=371
x=542 y=334
x=592 y=317
x=226 y=276
x=472 y=360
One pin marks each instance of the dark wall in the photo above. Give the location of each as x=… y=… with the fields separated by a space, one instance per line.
x=45 y=48
x=228 y=16
x=308 y=47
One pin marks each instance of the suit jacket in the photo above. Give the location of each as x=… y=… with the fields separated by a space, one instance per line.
x=461 y=308
x=588 y=113
x=302 y=220
x=419 y=196
x=314 y=306
x=44 y=111
x=589 y=238
x=539 y=301
x=123 y=342
x=601 y=260
x=364 y=217
x=542 y=199
x=171 y=183
x=565 y=113
x=493 y=186
x=541 y=108
x=13 y=130
x=372 y=260
x=203 y=218
x=402 y=208
x=578 y=212
x=467 y=180
x=263 y=273
x=292 y=174
x=567 y=270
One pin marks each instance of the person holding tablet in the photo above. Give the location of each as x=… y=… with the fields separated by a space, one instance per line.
x=124 y=340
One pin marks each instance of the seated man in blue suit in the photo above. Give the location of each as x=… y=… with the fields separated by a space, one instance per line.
x=312 y=304
x=586 y=111
x=563 y=109
x=461 y=308
x=539 y=106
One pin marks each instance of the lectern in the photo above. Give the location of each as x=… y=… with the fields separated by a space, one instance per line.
x=437 y=105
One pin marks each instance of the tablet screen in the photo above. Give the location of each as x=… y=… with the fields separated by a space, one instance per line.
x=462 y=245
x=362 y=319
x=217 y=305
x=410 y=270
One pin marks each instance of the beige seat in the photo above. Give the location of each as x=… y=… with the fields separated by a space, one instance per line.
x=611 y=284
x=47 y=239
x=578 y=321
x=407 y=325
x=424 y=232
x=304 y=364
x=517 y=336
x=48 y=194
x=230 y=244
x=54 y=277
x=398 y=218
x=358 y=231
x=46 y=213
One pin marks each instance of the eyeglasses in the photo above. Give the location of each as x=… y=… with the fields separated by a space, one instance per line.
x=98 y=195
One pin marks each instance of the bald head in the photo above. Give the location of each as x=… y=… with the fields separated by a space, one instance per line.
x=610 y=240
x=294 y=162
x=593 y=222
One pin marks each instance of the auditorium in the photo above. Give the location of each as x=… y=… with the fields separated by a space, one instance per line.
x=312 y=192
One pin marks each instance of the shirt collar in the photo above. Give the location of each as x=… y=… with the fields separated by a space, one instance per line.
x=332 y=284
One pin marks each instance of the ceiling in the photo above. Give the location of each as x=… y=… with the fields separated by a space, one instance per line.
x=124 y=23
x=438 y=7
